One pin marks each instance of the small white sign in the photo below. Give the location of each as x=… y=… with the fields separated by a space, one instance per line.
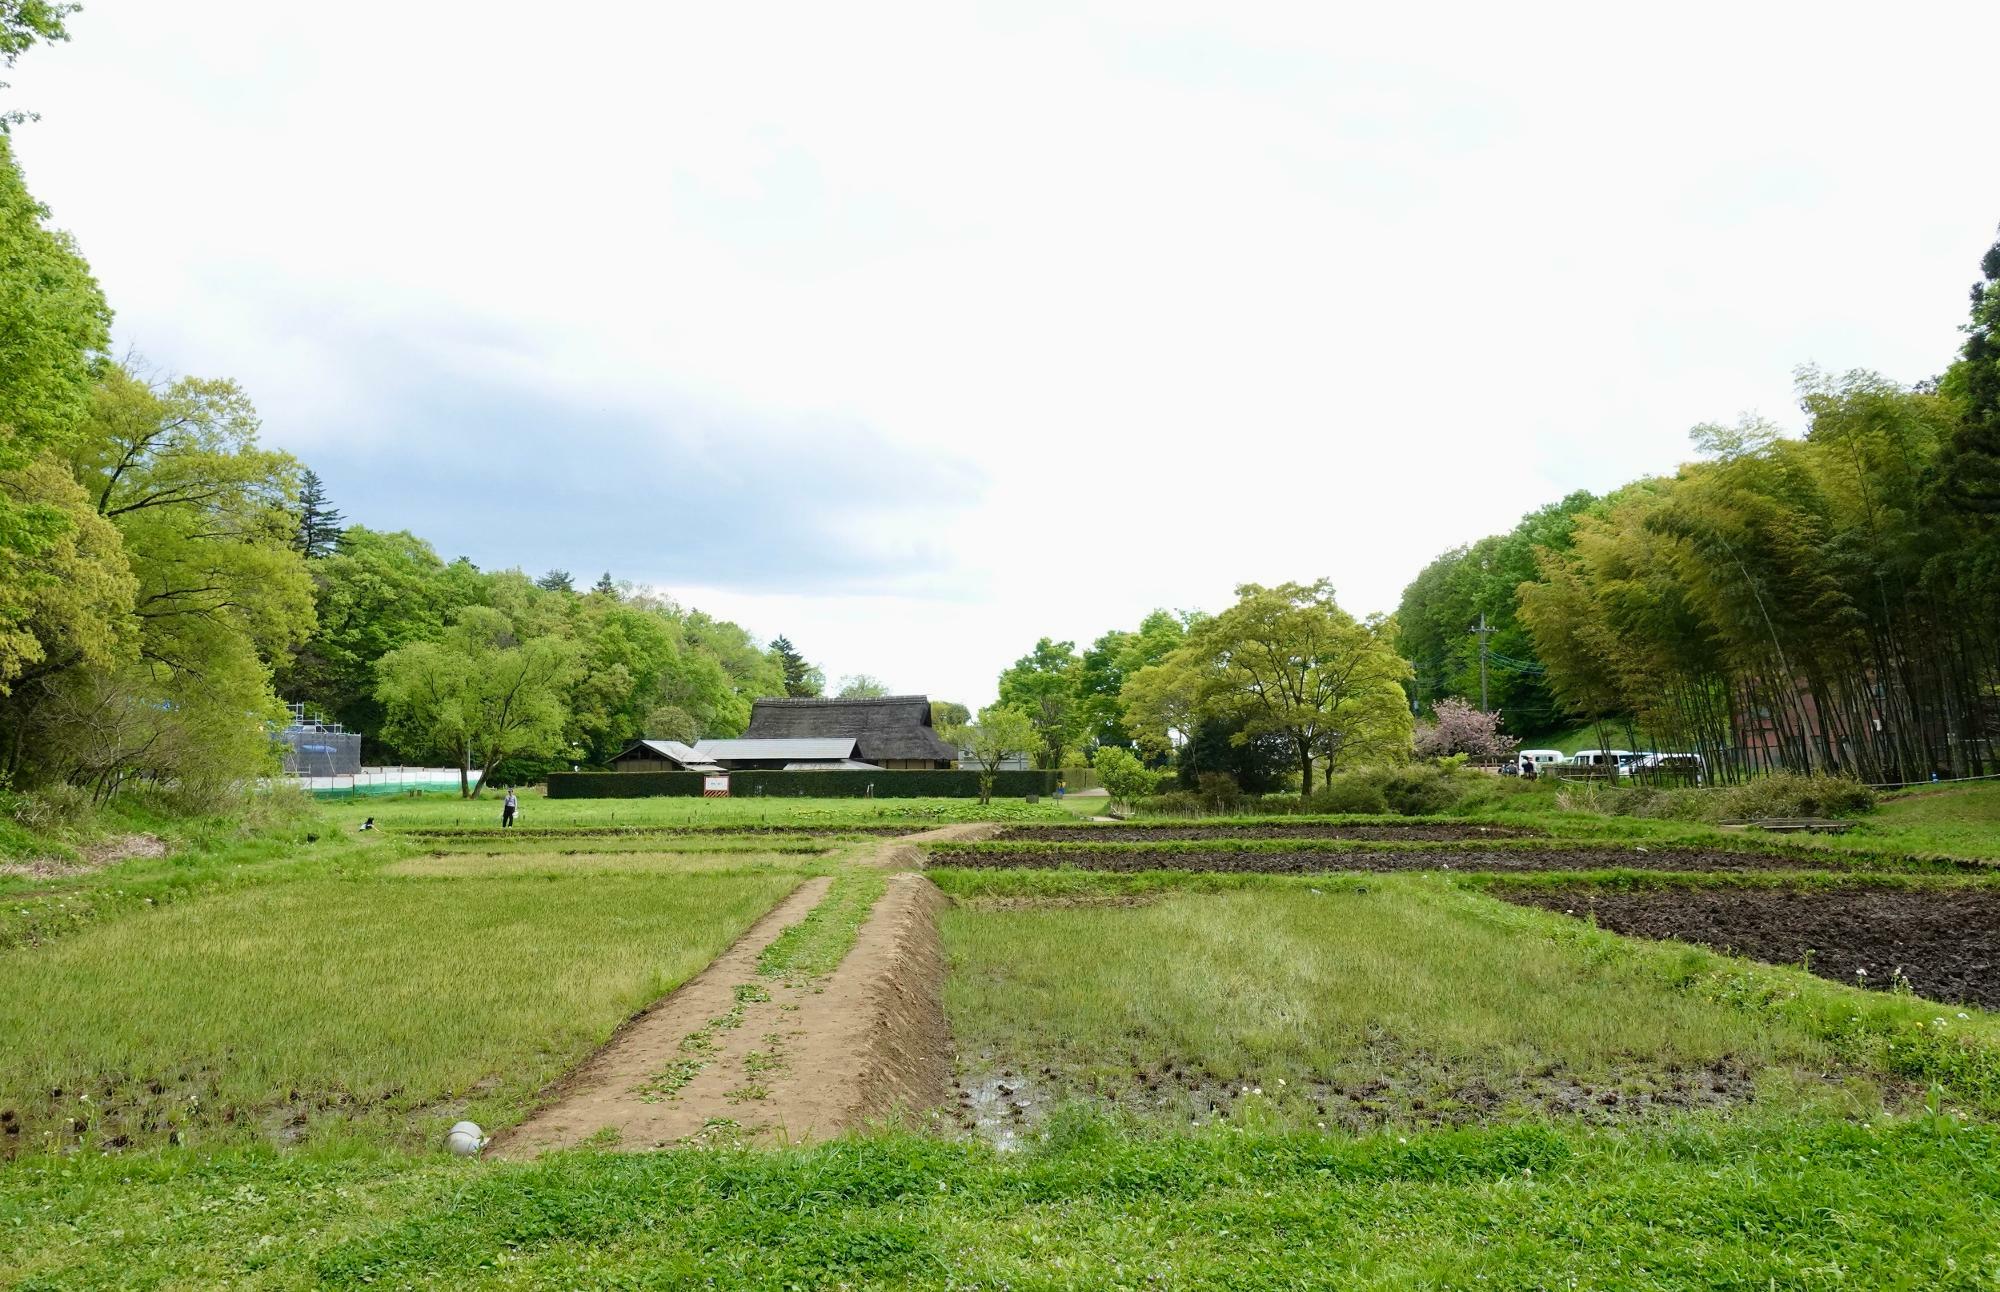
x=715 y=787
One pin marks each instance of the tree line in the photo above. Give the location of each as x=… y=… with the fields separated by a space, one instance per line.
x=494 y=671
x=1282 y=683
x=1829 y=601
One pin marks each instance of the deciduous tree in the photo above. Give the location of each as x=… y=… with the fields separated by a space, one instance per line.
x=999 y=734
x=1288 y=662
x=1045 y=684
x=479 y=694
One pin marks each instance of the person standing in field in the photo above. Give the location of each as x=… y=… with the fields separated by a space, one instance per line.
x=508 y=806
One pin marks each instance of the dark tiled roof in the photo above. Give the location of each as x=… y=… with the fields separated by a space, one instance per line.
x=891 y=727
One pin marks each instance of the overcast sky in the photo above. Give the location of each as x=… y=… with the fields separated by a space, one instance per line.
x=916 y=333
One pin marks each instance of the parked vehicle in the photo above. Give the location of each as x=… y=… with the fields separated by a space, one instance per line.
x=1539 y=759
x=1688 y=767
x=1614 y=761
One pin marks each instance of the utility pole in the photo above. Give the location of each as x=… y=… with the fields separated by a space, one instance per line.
x=1482 y=632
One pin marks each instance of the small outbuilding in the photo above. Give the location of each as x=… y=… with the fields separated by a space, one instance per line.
x=662 y=756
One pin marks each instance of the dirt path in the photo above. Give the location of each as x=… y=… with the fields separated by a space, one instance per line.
x=906 y=853
x=871 y=1045
x=609 y=1090
x=733 y=1055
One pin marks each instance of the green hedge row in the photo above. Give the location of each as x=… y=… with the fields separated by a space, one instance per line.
x=817 y=785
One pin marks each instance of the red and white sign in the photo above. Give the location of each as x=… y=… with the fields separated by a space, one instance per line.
x=715 y=787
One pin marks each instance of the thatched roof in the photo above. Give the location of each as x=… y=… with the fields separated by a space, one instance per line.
x=894 y=726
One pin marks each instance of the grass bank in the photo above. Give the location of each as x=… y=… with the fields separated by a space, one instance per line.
x=1774 y=1204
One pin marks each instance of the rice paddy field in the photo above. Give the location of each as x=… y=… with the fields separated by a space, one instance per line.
x=1527 y=1051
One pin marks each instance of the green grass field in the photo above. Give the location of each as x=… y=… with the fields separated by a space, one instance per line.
x=1334 y=1001
x=539 y=812
x=314 y=1010
x=567 y=863
x=1778 y=1204
x=383 y=1008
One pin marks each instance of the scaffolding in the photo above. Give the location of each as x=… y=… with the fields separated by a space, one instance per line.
x=313 y=747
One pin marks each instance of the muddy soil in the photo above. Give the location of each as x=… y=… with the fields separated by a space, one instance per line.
x=1384 y=831
x=1005 y=1105
x=1944 y=941
x=1379 y=861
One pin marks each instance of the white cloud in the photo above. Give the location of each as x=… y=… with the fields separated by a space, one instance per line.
x=1203 y=295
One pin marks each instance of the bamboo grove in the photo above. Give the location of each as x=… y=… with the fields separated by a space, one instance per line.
x=1829 y=602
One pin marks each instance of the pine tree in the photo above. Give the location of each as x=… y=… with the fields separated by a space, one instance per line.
x=604 y=586
x=801 y=678
x=555 y=581
x=319 y=524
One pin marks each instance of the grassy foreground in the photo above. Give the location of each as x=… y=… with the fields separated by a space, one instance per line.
x=1771 y=1205
x=375 y=1008
x=377 y=991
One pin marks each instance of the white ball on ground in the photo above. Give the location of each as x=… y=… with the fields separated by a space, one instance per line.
x=465 y=1139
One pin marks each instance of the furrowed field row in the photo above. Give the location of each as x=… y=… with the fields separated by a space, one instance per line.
x=1500 y=855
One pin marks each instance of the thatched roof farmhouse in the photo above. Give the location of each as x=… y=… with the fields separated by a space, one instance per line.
x=892 y=733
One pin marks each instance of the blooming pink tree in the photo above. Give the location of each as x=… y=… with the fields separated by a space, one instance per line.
x=1455 y=727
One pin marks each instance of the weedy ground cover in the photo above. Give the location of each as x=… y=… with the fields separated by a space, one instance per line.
x=1769 y=1203
x=538 y=812
x=817 y=944
x=374 y=1007
x=750 y=856
x=1355 y=1001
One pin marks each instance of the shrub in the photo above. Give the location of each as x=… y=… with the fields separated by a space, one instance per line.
x=51 y=808
x=1420 y=790
x=1350 y=793
x=1125 y=778
x=1218 y=792
x=1778 y=794
x=1172 y=803
x=1795 y=794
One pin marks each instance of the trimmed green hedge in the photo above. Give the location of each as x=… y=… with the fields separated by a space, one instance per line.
x=816 y=785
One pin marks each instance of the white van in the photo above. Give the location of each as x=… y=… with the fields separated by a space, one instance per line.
x=1613 y=760
x=1539 y=759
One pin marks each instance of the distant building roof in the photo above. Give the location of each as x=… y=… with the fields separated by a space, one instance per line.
x=814 y=749
x=884 y=728
x=843 y=765
x=682 y=756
